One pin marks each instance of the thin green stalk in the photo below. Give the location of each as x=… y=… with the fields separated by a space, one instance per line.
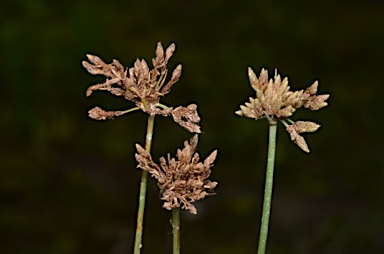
x=143 y=189
x=176 y=230
x=268 y=188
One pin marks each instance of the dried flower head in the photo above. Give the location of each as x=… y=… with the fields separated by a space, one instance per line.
x=140 y=85
x=275 y=101
x=182 y=181
x=300 y=127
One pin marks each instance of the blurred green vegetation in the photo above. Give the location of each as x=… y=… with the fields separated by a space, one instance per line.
x=68 y=184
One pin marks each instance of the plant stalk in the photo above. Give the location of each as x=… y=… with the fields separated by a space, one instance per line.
x=143 y=189
x=176 y=230
x=268 y=189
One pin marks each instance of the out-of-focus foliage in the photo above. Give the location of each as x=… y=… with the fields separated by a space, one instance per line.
x=68 y=184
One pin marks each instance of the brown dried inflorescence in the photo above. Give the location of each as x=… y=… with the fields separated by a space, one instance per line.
x=275 y=101
x=142 y=86
x=300 y=127
x=182 y=181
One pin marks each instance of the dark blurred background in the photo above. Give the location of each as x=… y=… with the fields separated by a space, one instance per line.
x=69 y=184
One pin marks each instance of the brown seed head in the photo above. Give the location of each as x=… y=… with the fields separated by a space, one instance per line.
x=182 y=181
x=138 y=84
x=274 y=98
x=142 y=86
x=300 y=127
x=275 y=101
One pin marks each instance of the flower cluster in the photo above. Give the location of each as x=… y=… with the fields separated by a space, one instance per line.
x=142 y=86
x=182 y=181
x=275 y=101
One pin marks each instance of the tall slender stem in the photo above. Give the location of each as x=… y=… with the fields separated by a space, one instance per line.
x=176 y=230
x=143 y=189
x=268 y=189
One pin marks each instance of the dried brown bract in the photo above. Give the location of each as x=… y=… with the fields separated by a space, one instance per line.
x=275 y=101
x=140 y=85
x=182 y=181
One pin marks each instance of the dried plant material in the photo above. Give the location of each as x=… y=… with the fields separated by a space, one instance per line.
x=275 y=101
x=182 y=181
x=187 y=118
x=305 y=126
x=140 y=85
x=99 y=114
x=300 y=127
x=297 y=139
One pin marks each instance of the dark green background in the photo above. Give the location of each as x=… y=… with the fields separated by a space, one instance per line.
x=68 y=184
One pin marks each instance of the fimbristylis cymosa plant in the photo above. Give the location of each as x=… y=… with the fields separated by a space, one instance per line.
x=144 y=88
x=275 y=102
x=182 y=181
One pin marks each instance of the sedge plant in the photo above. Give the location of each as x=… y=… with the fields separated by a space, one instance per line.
x=275 y=102
x=143 y=87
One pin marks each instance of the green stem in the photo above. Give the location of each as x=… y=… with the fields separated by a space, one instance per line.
x=268 y=188
x=284 y=122
x=161 y=106
x=289 y=120
x=143 y=189
x=130 y=110
x=176 y=230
